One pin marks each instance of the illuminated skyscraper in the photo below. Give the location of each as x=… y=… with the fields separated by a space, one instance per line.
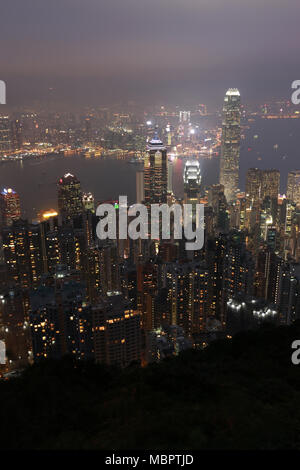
x=270 y=184
x=156 y=172
x=185 y=117
x=16 y=134
x=170 y=176
x=261 y=184
x=88 y=202
x=217 y=200
x=253 y=185
x=69 y=196
x=293 y=186
x=60 y=321
x=23 y=253
x=230 y=146
x=5 y=135
x=10 y=206
x=14 y=329
x=192 y=182
x=187 y=292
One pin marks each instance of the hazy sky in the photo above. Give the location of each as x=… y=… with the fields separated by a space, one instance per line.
x=161 y=50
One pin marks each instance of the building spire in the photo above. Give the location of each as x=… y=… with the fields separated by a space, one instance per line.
x=156 y=142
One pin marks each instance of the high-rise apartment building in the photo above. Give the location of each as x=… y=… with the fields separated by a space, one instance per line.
x=261 y=184
x=60 y=321
x=187 y=291
x=116 y=332
x=5 y=135
x=253 y=186
x=293 y=186
x=270 y=184
x=23 y=253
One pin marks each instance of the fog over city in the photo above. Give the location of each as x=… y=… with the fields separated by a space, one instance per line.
x=160 y=50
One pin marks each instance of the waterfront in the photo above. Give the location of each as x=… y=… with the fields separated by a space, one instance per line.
x=267 y=144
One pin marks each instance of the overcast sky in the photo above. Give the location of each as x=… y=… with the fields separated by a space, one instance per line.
x=185 y=51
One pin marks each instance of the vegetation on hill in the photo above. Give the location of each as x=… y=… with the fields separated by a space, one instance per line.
x=242 y=393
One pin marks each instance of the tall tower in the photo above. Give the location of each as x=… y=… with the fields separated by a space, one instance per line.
x=230 y=146
x=155 y=172
x=192 y=182
x=253 y=185
x=5 y=135
x=69 y=196
x=10 y=206
x=270 y=184
x=140 y=186
x=88 y=202
x=170 y=176
x=293 y=186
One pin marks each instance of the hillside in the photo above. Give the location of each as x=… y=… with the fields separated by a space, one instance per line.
x=242 y=393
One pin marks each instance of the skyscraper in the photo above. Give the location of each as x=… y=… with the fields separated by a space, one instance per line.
x=5 y=135
x=23 y=253
x=253 y=186
x=88 y=202
x=10 y=206
x=116 y=331
x=170 y=176
x=217 y=201
x=192 y=182
x=270 y=184
x=261 y=184
x=186 y=285
x=185 y=117
x=69 y=196
x=60 y=321
x=156 y=172
x=230 y=146
x=293 y=186
x=140 y=186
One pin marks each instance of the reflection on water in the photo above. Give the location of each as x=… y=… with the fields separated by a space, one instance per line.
x=35 y=180
x=267 y=144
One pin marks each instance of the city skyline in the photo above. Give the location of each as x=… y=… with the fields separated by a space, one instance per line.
x=149 y=227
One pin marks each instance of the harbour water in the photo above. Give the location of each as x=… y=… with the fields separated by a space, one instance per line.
x=267 y=144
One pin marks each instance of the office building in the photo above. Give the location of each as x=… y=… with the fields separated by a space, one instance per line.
x=5 y=135
x=9 y=206
x=293 y=187
x=155 y=172
x=69 y=197
x=192 y=182
x=230 y=145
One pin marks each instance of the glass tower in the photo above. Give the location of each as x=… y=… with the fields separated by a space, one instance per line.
x=230 y=145
x=156 y=172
